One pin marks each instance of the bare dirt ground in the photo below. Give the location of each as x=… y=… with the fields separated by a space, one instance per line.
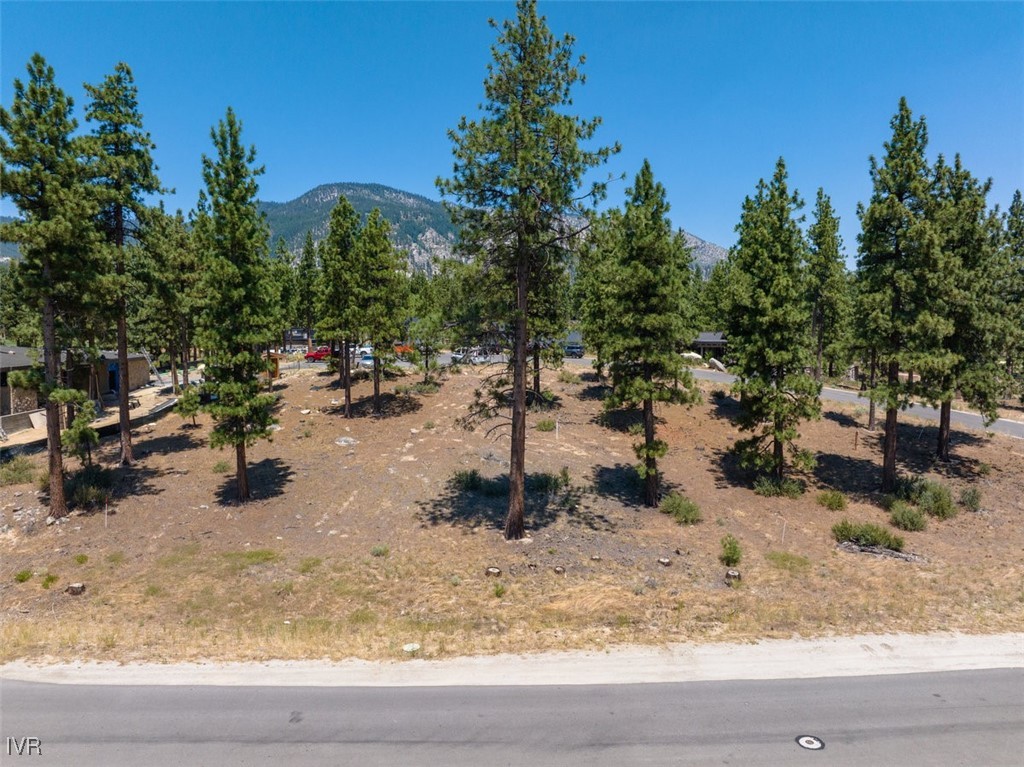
x=367 y=548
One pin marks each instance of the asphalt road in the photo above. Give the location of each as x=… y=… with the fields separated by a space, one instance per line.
x=951 y=718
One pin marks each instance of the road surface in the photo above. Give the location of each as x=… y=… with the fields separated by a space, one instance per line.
x=949 y=718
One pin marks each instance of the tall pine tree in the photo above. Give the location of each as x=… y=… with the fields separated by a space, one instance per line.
x=43 y=169
x=828 y=288
x=767 y=326
x=517 y=174
x=125 y=172
x=900 y=274
x=647 y=317
x=238 y=312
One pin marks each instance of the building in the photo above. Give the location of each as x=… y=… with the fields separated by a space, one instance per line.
x=710 y=344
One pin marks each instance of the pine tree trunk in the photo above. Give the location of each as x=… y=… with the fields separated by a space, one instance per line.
x=346 y=362
x=58 y=504
x=426 y=364
x=309 y=340
x=536 y=373
x=651 y=479
x=127 y=455
x=889 y=443
x=241 y=473
x=778 y=457
x=184 y=355
x=819 y=333
x=515 y=525
x=944 y=415
x=871 y=388
x=174 y=375
x=376 y=385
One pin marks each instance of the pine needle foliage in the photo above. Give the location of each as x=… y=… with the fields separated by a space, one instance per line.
x=516 y=185
x=768 y=328
x=238 y=313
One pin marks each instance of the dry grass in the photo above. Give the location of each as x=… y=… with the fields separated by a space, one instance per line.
x=177 y=572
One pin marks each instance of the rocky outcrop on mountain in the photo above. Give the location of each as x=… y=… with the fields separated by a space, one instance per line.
x=419 y=226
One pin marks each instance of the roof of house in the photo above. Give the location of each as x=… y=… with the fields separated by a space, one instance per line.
x=19 y=357
x=709 y=337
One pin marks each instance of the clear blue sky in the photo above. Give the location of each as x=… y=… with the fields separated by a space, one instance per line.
x=711 y=93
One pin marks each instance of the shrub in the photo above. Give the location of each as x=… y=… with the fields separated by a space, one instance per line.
x=81 y=559
x=936 y=500
x=833 y=500
x=866 y=534
x=770 y=487
x=984 y=469
x=731 y=552
x=467 y=479
x=309 y=564
x=568 y=377
x=906 y=517
x=89 y=487
x=188 y=403
x=17 y=471
x=22 y=575
x=380 y=551
x=546 y=482
x=429 y=425
x=681 y=509
x=970 y=499
x=910 y=488
x=222 y=467
x=499 y=590
x=48 y=580
x=546 y=425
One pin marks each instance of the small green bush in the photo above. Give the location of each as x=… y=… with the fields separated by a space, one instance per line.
x=906 y=517
x=546 y=425
x=546 y=482
x=970 y=499
x=22 y=575
x=984 y=469
x=910 y=488
x=937 y=501
x=90 y=487
x=222 y=467
x=429 y=425
x=568 y=377
x=309 y=564
x=380 y=551
x=681 y=509
x=866 y=534
x=499 y=590
x=467 y=479
x=17 y=471
x=48 y=580
x=833 y=500
x=81 y=559
x=770 y=487
x=731 y=552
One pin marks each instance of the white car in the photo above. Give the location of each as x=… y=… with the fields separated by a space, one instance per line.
x=365 y=362
x=364 y=349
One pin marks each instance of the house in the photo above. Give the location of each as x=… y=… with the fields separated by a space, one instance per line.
x=710 y=344
x=100 y=379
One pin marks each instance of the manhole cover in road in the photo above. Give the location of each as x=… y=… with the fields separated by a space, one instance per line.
x=810 y=742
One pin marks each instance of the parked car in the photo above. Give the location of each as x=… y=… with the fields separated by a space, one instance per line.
x=364 y=348
x=365 y=362
x=574 y=350
x=319 y=354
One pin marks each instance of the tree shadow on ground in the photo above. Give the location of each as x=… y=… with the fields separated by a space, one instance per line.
x=623 y=484
x=391 y=406
x=598 y=392
x=469 y=501
x=96 y=488
x=624 y=419
x=859 y=478
x=186 y=439
x=916 y=445
x=724 y=406
x=267 y=479
x=729 y=471
x=842 y=419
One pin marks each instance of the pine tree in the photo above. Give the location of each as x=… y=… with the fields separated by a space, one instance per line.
x=286 y=289
x=969 y=358
x=517 y=173
x=42 y=169
x=238 y=313
x=342 y=284
x=1013 y=291
x=767 y=325
x=648 y=318
x=828 y=290
x=309 y=284
x=595 y=281
x=384 y=294
x=900 y=273
x=125 y=172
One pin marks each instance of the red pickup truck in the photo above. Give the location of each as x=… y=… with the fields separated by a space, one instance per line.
x=319 y=354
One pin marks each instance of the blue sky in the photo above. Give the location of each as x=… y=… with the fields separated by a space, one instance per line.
x=711 y=93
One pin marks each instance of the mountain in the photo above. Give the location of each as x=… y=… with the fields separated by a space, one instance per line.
x=705 y=254
x=420 y=226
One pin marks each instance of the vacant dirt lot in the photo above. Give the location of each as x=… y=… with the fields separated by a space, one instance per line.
x=361 y=549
